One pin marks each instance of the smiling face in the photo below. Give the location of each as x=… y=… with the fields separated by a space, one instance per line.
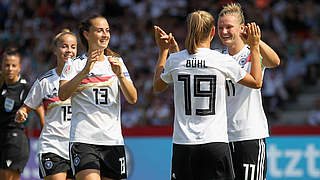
x=11 y=68
x=66 y=48
x=99 y=33
x=229 y=29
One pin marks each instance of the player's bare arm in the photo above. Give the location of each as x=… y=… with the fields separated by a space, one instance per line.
x=66 y=88
x=127 y=87
x=163 y=43
x=40 y=112
x=270 y=57
x=254 y=79
x=22 y=114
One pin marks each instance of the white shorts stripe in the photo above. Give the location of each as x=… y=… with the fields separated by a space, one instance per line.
x=71 y=160
x=259 y=163
x=263 y=159
x=43 y=172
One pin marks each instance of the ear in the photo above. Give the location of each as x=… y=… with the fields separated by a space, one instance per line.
x=54 y=51
x=213 y=31
x=242 y=28
x=85 y=34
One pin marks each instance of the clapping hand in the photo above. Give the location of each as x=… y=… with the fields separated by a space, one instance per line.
x=165 y=41
x=116 y=66
x=252 y=35
x=93 y=57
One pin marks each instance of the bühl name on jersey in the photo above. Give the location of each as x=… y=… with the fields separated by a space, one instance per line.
x=194 y=63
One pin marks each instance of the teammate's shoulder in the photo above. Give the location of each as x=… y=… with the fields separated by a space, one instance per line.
x=179 y=53
x=46 y=75
x=217 y=52
x=222 y=50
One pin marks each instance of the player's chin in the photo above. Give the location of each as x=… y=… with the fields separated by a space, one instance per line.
x=11 y=76
x=103 y=45
x=227 y=42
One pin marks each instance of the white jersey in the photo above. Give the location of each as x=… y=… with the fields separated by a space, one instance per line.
x=199 y=94
x=54 y=136
x=95 y=103
x=246 y=117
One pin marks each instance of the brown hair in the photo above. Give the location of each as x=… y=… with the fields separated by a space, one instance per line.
x=200 y=24
x=233 y=9
x=12 y=51
x=84 y=26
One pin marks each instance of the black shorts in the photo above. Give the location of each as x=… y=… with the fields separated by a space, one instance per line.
x=249 y=159
x=50 y=164
x=109 y=160
x=14 y=149
x=210 y=161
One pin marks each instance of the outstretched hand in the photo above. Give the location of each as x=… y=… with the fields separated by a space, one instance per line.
x=165 y=41
x=162 y=39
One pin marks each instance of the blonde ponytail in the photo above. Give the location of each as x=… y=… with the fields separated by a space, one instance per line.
x=200 y=24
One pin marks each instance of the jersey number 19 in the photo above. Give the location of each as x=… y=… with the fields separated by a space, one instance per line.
x=198 y=92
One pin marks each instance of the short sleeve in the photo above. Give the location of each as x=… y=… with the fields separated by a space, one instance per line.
x=166 y=74
x=233 y=70
x=125 y=70
x=35 y=95
x=68 y=71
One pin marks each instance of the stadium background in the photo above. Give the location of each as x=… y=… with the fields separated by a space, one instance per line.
x=290 y=92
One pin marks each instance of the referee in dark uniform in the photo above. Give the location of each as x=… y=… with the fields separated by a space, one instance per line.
x=14 y=144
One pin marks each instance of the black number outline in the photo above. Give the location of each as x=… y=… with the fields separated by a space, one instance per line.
x=66 y=110
x=211 y=93
x=187 y=92
x=105 y=95
x=199 y=93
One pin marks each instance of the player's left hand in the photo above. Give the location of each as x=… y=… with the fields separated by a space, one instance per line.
x=115 y=65
x=254 y=34
x=161 y=37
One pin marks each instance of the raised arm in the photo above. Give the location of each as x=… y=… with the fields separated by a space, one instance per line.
x=127 y=87
x=254 y=79
x=66 y=88
x=270 y=57
x=173 y=45
x=163 y=43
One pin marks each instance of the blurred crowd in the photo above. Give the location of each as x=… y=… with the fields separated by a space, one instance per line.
x=291 y=28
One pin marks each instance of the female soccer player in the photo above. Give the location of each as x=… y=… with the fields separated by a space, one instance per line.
x=93 y=80
x=198 y=74
x=53 y=151
x=247 y=122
